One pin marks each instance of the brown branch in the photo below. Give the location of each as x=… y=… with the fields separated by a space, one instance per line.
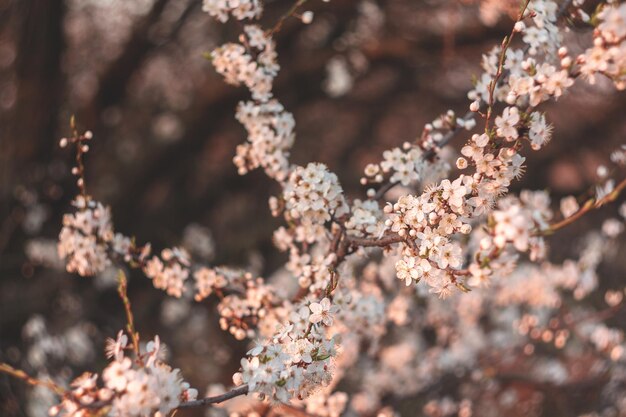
x=383 y=190
x=78 y=141
x=506 y=42
x=591 y=204
x=290 y=12
x=19 y=374
x=373 y=242
x=122 y=290
x=242 y=390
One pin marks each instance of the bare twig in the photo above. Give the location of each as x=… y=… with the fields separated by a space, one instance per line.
x=242 y=390
x=591 y=204
x=290 y=12
x=78 y=140
x=122 y=290
x=373 y=242
x=19 y=374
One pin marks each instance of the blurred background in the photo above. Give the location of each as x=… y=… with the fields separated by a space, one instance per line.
x=363 y=77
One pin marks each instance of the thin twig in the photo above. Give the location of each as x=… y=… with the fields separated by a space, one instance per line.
x=242 y=390
x=591 y=204
x=506 y=42
x=122 y=290
x=287 y=15
x=78 y=141
x=18 y=373
x=373 y=242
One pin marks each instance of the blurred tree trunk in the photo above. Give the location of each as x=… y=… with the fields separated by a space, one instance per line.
x=31 y=130
x=113 y=83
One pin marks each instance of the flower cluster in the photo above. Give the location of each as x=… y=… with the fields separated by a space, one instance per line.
x=239 y=9
x=86 y=237
x=608 y=54
x=139 y=387
x=516 y=220
x=270 y=137
x=250 y=301
x=313 y=197
x=170 y=271
x=252 y=63
x=298 y=358
x=366 y=219
x=418 y=162
x=312 y=270
x=208 y=281
x=530 y=79
x=544 y=36
x=432 y=218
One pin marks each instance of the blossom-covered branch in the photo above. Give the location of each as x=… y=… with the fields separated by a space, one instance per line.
x=458 y=235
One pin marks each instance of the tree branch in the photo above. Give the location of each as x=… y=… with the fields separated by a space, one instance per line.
x=242 y=390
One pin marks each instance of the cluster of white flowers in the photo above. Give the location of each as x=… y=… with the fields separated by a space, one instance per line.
x=170 y=271
x=313 y=197
x=516 y=224
x=312 y=270
x=541 y=286
x=494 y=172
x=544 y=36
x=407 y=166
x=516 y=220
x=534 y=83
x=366 y=219
x=426 y=222
x=250 y=301
x=140 y=387
x=252 y=63
x=208 y=280
x=531 y=79
x=87 y=236
x=270 y=137
x=361 y=311
x=608 y=54
x=270 y=127
x=297 y=360
x=239 y=9
x=418 y=162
